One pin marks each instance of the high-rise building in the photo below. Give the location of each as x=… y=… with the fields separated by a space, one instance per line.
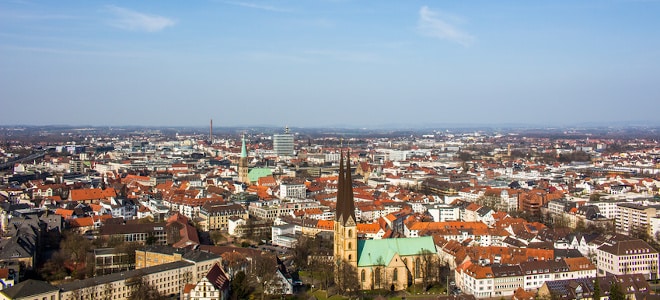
x=283 y=143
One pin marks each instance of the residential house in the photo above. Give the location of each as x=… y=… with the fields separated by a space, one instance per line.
x=213 y=286
x=632 y=287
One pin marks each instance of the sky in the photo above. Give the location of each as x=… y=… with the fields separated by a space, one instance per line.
x=327 y=63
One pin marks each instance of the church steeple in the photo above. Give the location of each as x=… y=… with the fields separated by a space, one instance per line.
x=243 y=147
x=345 y=200
x=243 y=163
x=345 y=227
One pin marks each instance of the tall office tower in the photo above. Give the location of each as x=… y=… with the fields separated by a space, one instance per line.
x=283 y=143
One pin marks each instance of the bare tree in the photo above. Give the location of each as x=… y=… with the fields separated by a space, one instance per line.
x=302 y=251
x=74 y=248
x=264 y=270
x=346 y=281
x=427 y=267
x=142 y=289
x=233 y=262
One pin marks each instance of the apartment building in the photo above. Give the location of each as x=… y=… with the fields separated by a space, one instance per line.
x=632 y=216
x=632 y=256
x=487 y=281
x=507 y=279
x=608 y=208
x=154 y=233
x=158 y=255
x=29 y=290
x=293 y=191
x=216 y=215
x=270 y=212
x=169 y=279
x=538 y=272
x=444 y=212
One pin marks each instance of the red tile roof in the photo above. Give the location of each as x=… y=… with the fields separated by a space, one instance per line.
x=92 y=194
x=81 y=222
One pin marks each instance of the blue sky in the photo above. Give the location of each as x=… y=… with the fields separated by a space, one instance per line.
x=329 y=63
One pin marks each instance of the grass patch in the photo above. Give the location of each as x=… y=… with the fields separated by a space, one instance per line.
x=321 y=295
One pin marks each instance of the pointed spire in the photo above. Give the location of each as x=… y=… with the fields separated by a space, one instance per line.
x=340 y=187
x=345 y=202
x=348 y=189
x=243 y=147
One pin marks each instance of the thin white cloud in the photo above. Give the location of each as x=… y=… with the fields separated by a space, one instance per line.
x=258 y=6
x=12 y=15
x=276 y=57
x=131 y=20
x=315 y=56
x=434 y=24
x=346 y=56
x=71 y=52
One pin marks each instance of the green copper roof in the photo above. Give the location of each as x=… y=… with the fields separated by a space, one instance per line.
x=243 y=147
x=370 y=252
x=257 y=173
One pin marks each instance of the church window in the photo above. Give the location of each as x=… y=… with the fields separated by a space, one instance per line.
x=418 y=272
x=349 y=257
x=377 y=277
x=395 y=275
x=363 y=275
x=350 y=245
x=350 y=233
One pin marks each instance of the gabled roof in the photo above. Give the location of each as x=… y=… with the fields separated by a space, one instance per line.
x=368 y=228
x=376 y=252
x=29 y=288
x=81 y=222
x=65 y=213
x=92 y=194
x=256 y=173
x=579 y=264
x=630 y=247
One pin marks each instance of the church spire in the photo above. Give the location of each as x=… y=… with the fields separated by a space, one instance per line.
x=243 y=147
x=345 y=202
x=243 y=164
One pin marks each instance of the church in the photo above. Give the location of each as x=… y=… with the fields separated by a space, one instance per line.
x=391 y=264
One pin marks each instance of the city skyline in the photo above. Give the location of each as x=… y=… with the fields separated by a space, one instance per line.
x=329 y=63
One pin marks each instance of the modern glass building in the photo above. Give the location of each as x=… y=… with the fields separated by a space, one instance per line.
x=283 y=143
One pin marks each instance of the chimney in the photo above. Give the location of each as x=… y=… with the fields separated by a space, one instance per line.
x=211 y=133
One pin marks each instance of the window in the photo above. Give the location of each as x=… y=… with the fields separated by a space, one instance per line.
x=377 y=277
x=395 y=275
x=363 y=275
